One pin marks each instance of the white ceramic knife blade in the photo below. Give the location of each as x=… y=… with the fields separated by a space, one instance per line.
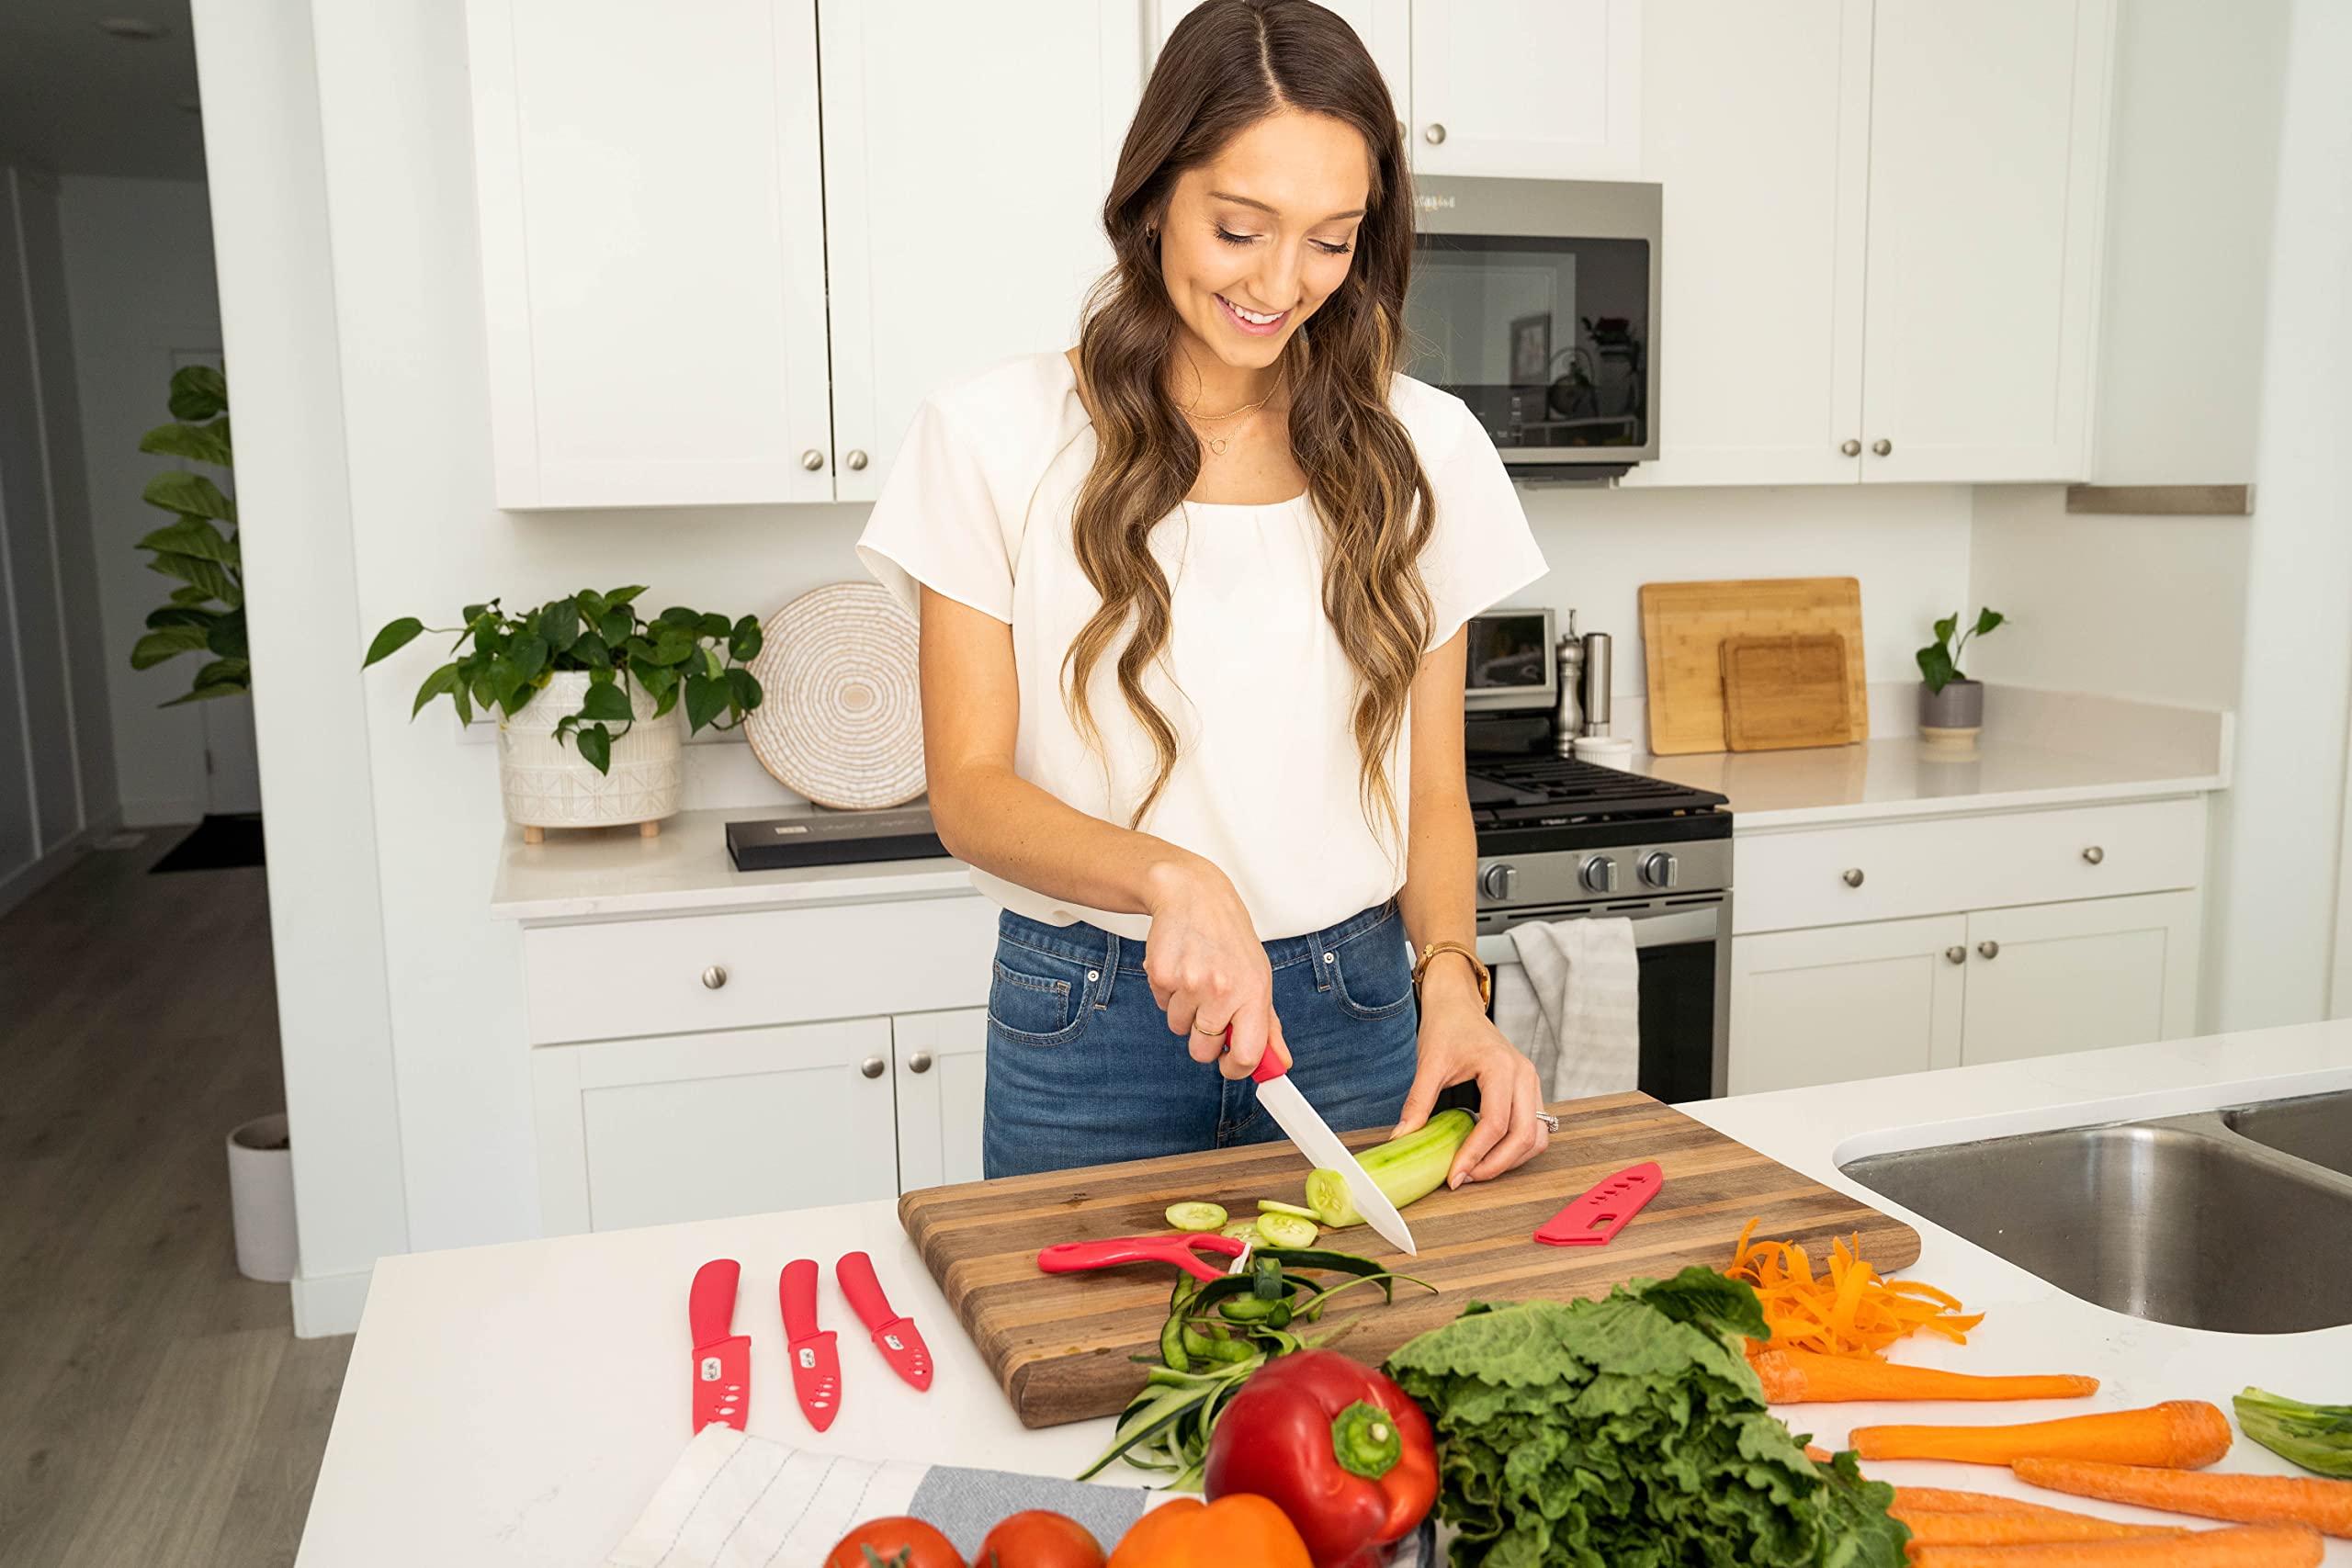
x=1323 y=1149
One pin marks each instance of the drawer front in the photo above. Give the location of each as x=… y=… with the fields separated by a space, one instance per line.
x=1896 y=869
x=635 y=977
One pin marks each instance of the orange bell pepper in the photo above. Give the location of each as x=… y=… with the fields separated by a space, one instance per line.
x=1242 y=1532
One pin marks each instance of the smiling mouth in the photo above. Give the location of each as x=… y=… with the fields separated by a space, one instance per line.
x=1257 y=321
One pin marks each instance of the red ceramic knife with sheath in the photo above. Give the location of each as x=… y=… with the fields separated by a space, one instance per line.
x=816 y=1361
x=896 y=1338
x=722 y=1360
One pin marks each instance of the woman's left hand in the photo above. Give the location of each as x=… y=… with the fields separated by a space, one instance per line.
x=1459 y=1042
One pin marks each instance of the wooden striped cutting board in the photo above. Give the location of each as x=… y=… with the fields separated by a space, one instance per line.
x=1060 y=1343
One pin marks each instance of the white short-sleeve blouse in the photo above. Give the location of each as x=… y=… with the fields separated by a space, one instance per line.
x=978 y=506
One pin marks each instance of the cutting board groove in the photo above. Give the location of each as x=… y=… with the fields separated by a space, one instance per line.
x=1060 y=1343
x=1683 y=628
x=1786 y=691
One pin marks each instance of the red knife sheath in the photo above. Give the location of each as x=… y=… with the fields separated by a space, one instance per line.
x=1595 y=1219
x=896 y=1338
x=722 y=1369
x=816 y=1358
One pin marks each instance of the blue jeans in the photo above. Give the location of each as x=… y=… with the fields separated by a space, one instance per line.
x=1083 y=1069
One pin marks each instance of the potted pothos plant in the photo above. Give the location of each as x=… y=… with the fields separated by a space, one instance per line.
x=1952 y=706
x=587 y=692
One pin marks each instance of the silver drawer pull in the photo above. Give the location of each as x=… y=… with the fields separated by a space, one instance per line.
x=812 y=460
x=1854 y=876
x=1955 y=953
x=1989 y=949
x=872 y=1067
x=714 y=976
x=920 y=1062
x=2094 y=854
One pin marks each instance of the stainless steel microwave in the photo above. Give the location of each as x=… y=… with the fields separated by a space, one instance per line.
x=1535 y=302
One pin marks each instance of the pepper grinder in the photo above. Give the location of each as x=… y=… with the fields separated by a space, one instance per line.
x=1596 y=659
x=1568 y=718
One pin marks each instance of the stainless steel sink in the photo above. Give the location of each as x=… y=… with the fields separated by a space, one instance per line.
x=2182 y=1221
x=2318 y=1128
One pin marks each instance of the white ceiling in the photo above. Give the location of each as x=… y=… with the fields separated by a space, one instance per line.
x=79 y=101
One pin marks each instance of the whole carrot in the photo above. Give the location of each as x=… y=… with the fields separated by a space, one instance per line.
x=2019 y=1529
x=1808 y=1377
x=2325 y=1505
x=2245 y=1546
x=2181 y=1434
x=1944 y=1500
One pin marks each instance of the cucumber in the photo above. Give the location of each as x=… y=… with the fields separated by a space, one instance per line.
x=1242 y=1230
x=1407 y=1168
x=1195 y=1216
x=1286 y=1229
x=1268 y=1206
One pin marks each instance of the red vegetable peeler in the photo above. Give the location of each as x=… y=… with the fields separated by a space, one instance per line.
x=1181 y=1248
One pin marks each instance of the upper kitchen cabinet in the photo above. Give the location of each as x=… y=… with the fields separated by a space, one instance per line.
x=1988 y=128
x=660 y=214
x=1882 y=235
x=1385 y=26
x=963 y=221
x=652 y=248
x=1536 y=89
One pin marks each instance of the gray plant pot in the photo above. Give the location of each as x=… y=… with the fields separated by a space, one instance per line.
x=1953 y=715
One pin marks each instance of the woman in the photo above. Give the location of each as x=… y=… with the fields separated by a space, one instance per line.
x=1192 y=598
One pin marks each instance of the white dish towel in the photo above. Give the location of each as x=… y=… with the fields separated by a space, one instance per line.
x=1573 y=1005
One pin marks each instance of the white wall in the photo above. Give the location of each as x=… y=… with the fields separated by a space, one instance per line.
x=2278 y=830
x=139 y=270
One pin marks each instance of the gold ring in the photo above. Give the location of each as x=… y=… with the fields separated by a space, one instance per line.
x=1211 y=1033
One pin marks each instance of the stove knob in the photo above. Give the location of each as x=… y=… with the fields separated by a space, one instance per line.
x=1661 y=870
x=1600 y=874
x=1499 y=881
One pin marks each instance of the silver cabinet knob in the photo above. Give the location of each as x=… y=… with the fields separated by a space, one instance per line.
x=714 y=976
x=1955 y=953
x=1499 y=881
x=1853 y=877
x=873 y=1066
x=812 y=460
x=920 y=1062
x=1850 y=446
x=1989 y=950
x=1434 y=134
x=856 y=459
x=1600 y=874
x=1661 y=870
x=1882 y=445
x=2094 y=854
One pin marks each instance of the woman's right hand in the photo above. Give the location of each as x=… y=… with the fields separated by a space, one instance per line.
x=1208 y=970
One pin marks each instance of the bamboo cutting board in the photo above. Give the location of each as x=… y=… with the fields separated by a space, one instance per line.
x=1786 y=691
x=1683 y=628
x=1060 y=1343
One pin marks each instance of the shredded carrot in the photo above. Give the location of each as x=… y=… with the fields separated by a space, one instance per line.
x=1850 y=1310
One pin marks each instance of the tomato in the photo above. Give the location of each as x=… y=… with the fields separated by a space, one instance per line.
x=924 y=1547
x=1038 y=1539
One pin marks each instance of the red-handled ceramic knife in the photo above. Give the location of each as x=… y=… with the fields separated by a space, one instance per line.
x=896 y=1338
x=816 y=1361
x=722 y=1362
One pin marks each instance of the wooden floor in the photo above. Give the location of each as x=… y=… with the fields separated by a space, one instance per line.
x=155 y=1408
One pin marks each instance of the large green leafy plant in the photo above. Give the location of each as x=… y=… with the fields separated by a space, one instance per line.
x=503 y=659
x=206 y=613
x=1939 y=660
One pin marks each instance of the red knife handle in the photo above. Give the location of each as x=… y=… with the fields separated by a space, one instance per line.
x=855 y=1272
x=1069 y=1257
x=710 y=1304
x=797 y=1292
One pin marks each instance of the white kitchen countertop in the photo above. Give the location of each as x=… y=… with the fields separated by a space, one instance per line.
x=515 y=1405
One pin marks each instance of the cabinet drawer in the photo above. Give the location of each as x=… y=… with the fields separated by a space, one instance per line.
x=635 y=977
x=1896 y=870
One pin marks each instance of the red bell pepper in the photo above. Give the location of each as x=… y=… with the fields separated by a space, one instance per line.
x=1339 y=1448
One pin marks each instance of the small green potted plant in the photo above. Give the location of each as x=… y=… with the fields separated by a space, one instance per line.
x=587 y=692
x=1952 y=706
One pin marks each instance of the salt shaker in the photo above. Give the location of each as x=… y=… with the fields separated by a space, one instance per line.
x=1569 y=716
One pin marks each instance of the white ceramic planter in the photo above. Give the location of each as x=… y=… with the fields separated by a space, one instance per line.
x=548 y=784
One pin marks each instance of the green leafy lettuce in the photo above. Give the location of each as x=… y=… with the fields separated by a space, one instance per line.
x=1631 y=1433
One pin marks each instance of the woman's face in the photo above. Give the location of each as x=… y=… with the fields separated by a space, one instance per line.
x=1255 y=239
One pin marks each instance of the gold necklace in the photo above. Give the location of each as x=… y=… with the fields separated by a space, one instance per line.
x=1217 y=444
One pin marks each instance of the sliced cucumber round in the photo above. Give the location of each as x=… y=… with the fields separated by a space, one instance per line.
x=1195 y=1216
x=1242 y=1230
x=1268 y=1206
x=1286 y=1229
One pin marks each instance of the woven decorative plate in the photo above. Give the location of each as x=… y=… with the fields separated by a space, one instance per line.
x=842 y=717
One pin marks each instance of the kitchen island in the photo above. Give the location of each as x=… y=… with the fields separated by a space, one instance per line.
x=516 y=1404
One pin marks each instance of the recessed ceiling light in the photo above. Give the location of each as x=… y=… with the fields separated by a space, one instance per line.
x=136 y=28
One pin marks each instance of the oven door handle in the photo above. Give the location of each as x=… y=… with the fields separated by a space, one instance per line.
x=1649 y=931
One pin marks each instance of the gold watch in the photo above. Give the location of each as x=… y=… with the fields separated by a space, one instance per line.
x=1486 y=975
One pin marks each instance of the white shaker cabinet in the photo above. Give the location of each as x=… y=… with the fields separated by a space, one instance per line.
x=2055 y=977
x=1532 y=89
x=1988 y=125
x=653 y=250
x=1814 y=1007
x=943 y=1083
x=968 y=152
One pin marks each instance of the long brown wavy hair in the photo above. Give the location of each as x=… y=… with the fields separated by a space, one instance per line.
x=1229 y=64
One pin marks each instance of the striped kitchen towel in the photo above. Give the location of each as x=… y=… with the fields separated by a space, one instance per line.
x=1586 y=983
